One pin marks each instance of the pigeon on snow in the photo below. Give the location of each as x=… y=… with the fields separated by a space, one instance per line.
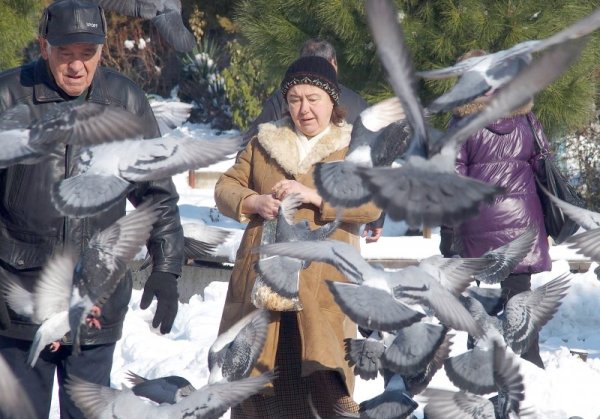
x=14 y=402
x=233 y=354
x=27 y=139
x=381 y=299
x=103 y=262
x=208 y=402
x=170 y=389
x=486 y=74
x=379 y=136
x=165 y=15
x=103 y=173
x=426 y=190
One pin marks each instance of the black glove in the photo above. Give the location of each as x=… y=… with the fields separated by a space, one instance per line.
x=163 y=285
x=4 y=317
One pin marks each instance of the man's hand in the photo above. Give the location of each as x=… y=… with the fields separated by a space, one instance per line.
x=163 y=285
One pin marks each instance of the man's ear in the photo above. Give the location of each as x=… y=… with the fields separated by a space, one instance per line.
x=334 y=64
x=43 y=43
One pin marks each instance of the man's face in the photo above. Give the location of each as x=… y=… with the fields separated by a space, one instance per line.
x=73 y=65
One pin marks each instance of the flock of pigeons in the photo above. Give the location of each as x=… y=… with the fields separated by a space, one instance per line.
x=407 y=314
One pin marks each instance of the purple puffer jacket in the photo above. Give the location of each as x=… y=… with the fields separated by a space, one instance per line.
x=505 y=154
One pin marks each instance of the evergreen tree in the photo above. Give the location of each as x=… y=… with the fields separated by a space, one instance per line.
x=19 y=19
x=437 y=32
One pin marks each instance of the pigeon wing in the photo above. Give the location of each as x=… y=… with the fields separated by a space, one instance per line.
x=14 y=402
x=170 y=26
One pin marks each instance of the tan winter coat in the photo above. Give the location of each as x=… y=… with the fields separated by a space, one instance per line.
x=268 y=158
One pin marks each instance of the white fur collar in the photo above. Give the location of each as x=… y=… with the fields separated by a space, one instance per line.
x=279 y=141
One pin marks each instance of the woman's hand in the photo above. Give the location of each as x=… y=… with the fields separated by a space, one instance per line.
x=308 y=195
x=264 y=205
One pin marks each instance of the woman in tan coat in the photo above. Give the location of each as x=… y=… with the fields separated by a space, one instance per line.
x=306 y=346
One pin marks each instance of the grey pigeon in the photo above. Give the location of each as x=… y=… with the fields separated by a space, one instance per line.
x=364 y=355
x=28 y=139
x=233 y=354
x=14 y=402
x=487 y=73
x=394 y=402
x=499 y=370
x=165 y=15
x=416 y=383
x=524 y=314
x=199 y=240
x=171 y=114
x=282 y=273
x=588 y=242
x=208 y=402
x=507 y=257
x=103 y=174
x=103 y=262
x=47 y=305
x=170 y=389
x=426 y=190
x=379 y=136
x=380 y=299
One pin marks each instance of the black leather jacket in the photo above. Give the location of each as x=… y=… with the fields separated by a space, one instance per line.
x=31 y=229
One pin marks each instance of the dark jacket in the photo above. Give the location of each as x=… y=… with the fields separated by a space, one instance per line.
x=275 y=107
x=505 y=154
x=31 y=229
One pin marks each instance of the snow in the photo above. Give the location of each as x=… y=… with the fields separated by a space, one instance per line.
x=567 y=387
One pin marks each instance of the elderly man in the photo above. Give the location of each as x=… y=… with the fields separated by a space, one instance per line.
x=71 y=35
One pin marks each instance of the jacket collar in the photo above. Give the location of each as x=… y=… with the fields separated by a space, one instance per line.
x=279 y=141
x=45 y=88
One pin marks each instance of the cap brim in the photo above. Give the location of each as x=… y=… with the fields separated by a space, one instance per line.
x=76 y=38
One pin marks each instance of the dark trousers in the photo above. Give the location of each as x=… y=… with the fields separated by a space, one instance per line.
x=93 y=365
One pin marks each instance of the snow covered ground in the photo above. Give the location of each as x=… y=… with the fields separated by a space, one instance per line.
x=568 y=387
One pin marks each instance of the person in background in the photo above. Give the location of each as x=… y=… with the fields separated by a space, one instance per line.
x=306 y=347
x=504 y=154
x=275 y=107
x=71 y=36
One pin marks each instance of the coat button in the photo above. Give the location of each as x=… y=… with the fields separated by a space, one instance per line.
x=20 y=262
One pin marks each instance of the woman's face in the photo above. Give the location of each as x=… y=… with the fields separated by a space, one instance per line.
x=310 y=108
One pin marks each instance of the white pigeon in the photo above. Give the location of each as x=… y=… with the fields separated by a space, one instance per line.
x=103 y=173
x=208 y=402
x=487 y=73
x=233 y=354
x=47 y=305
x=426 y=190
x=26 y=138
x=14 y=402
x=165 y=15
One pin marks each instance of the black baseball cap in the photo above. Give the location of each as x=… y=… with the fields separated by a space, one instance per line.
x=73 y=21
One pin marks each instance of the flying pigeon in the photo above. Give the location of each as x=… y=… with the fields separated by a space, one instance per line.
x=199 y=240
x=524 y=314
x=170 y=389
x=381 y=299
x=233 y=354
x=488 y=73
x=103 y=262
x=47 y=305
x=416 y=383
x=165 y=15
x=103 y=173
x=379 y=136
x=14 y=402
x=171 y=114
x=587 y=242
x=208 y=402
x=282 y=273
x=27 y=139
x=479 y=372
x=426 y=190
